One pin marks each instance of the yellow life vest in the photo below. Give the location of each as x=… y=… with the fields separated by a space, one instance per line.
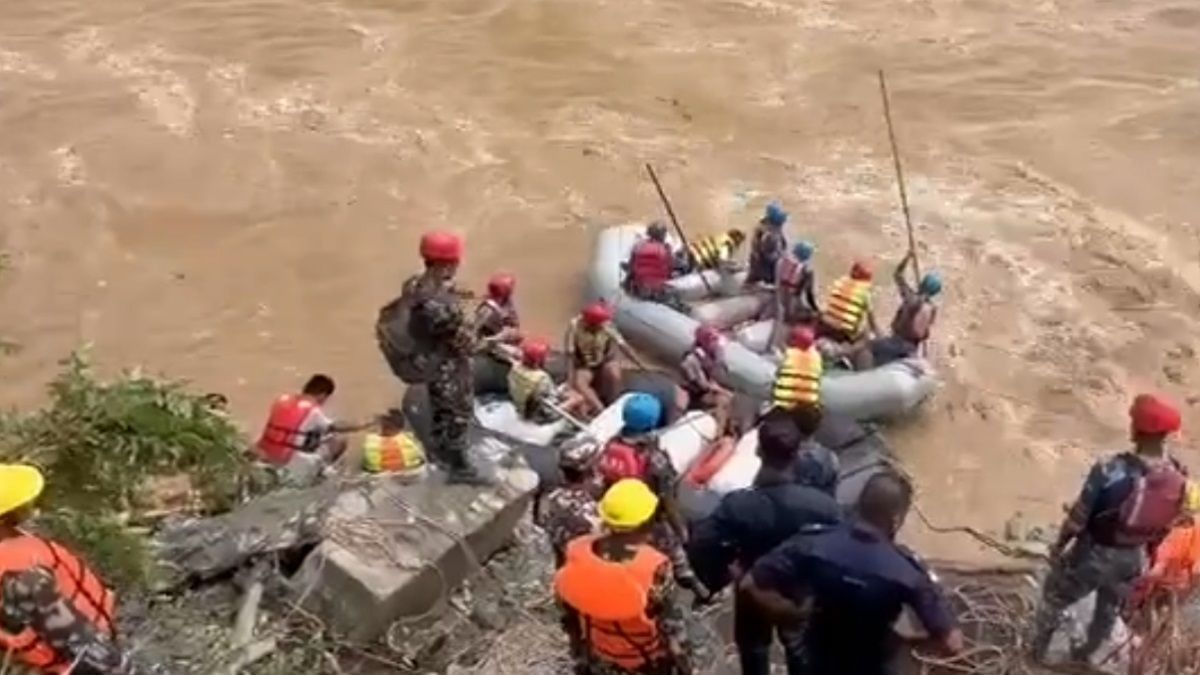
x=389 y=454
x=847 y=305
x=798 y=380
x=711 y=251
x=524 y=383
x=591 y=346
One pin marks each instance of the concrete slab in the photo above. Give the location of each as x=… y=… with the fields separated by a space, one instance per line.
x=392 y=550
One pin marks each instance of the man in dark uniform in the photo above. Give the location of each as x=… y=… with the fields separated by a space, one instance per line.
x=750 y=523
x=858 y=580
x=1128 y=501
x=440 y=325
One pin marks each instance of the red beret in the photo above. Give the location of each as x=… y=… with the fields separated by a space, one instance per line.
x=1152 y=415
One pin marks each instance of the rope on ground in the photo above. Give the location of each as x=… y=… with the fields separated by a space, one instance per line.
x=981 y=537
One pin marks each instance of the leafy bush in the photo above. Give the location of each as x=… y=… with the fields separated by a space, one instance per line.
x=99 y=444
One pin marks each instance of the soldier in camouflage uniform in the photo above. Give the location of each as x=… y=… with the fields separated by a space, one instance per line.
x=45 y=625
x=569 y=511
x=1101 y=547
x=641 y=633
x=439 y=323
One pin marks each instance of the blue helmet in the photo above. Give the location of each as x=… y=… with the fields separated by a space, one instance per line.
x=641 y=413
x=803 y=251
x=775 y=216
x=931 y=284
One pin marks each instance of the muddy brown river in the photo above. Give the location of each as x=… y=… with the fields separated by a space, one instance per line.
x=226 y=190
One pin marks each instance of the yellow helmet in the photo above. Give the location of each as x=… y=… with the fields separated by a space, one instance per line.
x=20 y=484
x=1191 y=500
x=627 y=505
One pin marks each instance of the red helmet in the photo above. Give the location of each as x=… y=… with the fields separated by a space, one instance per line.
x=707 y=336
x=441 y=247
x=534 y=352
x=597 y=314
x=861 y=271
x=1153 y=416
x=500 y=286
x=801 y=337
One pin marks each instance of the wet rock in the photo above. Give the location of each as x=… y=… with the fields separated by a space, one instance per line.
x=393 y=550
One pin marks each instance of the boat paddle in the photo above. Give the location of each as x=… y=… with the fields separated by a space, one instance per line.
x=912 y=239
x=675 y=221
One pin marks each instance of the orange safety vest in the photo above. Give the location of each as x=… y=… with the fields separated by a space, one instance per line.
x=77 y=584
x=281 y=436
x=1177 y=559
x=847 y=305
x=388 y=454
x=611 y=600
x=798 y=380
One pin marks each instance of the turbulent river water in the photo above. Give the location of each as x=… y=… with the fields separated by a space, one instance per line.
x=226 y=190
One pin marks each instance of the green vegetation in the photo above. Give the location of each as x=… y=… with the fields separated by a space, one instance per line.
x=101 y=444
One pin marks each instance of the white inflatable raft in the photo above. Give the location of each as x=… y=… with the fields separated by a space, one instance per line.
x=890 y=391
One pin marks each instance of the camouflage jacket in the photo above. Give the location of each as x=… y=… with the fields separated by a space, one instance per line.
x=439 y=311
x=568 y=512
x=32 y=601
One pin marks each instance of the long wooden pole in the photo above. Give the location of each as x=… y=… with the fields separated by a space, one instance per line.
x=887 y=114
x=675 y=221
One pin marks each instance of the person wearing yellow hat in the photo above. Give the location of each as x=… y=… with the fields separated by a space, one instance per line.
x=56 y=615
x=618 y=594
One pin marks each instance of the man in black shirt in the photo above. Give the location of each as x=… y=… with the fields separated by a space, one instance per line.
x=853 y=581
x=750 y=523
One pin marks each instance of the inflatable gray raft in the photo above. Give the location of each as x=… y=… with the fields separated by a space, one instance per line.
x=890 y=391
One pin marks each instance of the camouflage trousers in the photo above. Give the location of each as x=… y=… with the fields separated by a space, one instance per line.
x=451 y=405
x=665 y=541
x=1108 y=571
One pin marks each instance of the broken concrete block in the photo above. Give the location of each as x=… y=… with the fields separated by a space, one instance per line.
x=393 y=550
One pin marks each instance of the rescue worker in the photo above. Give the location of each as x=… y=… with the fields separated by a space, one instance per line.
x=650 y=267
x=795 y=287
x=767 y=246
x=848 y=318
x=496 y=319
x=850 y=582
x=712 y=252
x=635 y=453
x=299 y=438
x=393 y=448
x=532 y=390
x=56 y=615
x=569 y=510
x=914 y=318
x=1128 y=501
x=591 y=347
x=445 y=338
x=700 y=369
x=798 y=378
x=747 y=525
x=617 y=592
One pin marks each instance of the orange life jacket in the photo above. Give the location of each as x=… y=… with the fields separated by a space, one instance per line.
x=650 y=266
x=281 y=436
x=847 y=305
x=77 y=584
x=1177 y=559
x=798 y=380
x=611 y=599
